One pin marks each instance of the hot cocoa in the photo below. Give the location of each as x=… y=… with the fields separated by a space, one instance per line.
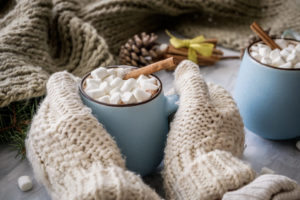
x=108 y=86
x=287 y=57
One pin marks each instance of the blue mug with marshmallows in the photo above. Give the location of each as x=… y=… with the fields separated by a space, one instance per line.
x=140 y=129
x=268 y=98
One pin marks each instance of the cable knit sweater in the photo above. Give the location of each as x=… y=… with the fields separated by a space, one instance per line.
x=73 y=155
x=40 y=37
x=205 y=136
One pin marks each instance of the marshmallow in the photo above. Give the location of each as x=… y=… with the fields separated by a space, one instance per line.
x=264 y=51
x=284 y=53
x=282 y=43
x=104 y=86
x=255 y=55
x=292 y=58
x=128 y=98
x=290 y=47
x=112 y=71
x=24 y=183
x=95 y=93
x=122 y=71
x=116 y=82
x=297 y=65
x=115 y=98
x=141 y=95
x=104 y=99
x=114 y=90
x=254 y=48
x=128 y=85
x=274 y=54
x=110 y=78
x=278 y=61
x=92 y=83
x=286 y=65
x=145 y=85
x=99 y=73
x=266 y=60
x=141 y=78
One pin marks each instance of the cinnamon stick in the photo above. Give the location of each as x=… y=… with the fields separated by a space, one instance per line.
x=154 y=67
x=264 y=36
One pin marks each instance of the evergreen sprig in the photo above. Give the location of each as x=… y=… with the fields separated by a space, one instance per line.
x=14 y=123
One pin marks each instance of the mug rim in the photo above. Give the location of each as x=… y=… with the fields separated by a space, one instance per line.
x=119 y=105
x=267 y=65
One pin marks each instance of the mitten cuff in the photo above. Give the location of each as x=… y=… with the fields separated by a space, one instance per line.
x=211 y=175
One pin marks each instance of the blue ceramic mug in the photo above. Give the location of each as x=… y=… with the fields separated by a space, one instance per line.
x=139 y=129
x=268 y=98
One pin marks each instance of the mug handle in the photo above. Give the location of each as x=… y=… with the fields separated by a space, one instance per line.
x=171 y=105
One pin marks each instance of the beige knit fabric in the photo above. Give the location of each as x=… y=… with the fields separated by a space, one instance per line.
x=267 y=187
x=73 y=155
x=39 y=37
x=205 y=136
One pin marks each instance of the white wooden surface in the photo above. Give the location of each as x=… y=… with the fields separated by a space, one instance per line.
x=280 y=156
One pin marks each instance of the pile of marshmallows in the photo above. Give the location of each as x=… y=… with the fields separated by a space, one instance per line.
x=288 y=57
x=108 y=86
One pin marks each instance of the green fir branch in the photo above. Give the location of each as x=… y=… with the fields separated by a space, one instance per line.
x=15 y=120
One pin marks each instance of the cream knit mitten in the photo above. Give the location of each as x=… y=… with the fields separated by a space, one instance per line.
x=72 y=154
x=267 y=187
x=205 y=136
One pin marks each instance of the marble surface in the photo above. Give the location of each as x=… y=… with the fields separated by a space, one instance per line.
x=280 y=156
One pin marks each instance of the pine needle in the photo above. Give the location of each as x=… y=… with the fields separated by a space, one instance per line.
x=15 y=120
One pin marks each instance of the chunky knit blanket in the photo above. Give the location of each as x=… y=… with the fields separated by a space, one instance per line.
x=40 y=37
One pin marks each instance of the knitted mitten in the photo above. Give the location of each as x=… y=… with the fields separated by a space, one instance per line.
x=205 y=135
x=72 y=154
x=267 y=187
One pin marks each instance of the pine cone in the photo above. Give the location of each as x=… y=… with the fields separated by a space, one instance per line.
x=140 y=50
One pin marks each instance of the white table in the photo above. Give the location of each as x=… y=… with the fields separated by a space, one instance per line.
x=280 y=156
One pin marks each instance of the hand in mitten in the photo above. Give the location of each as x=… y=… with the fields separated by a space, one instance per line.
x=205 y=136
x=72 y=154
x=267 y=187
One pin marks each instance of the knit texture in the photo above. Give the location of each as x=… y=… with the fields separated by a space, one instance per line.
x=267 y=187
x=73 y=155
x=205 y=136
x=40 y=37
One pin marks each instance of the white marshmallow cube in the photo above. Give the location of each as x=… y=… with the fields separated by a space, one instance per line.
x=115 y=98
x=278 y=61
x=25 y=183
x=266 y=60
x=114 y=90
x=255 y=55
x=128 y=98
x=95 y=93
x=284 y=53
x=274 y=54
x=104 y=99
x=116 y=82
x=264 y=51
x=141 y=78
x=292 y=58
x=99 y=73
x=112 y=71
x=104 y=87
x=290 y=47
x=110 y=78
x=128 y=85
x=145 y=85
x=92 y=83
x=286 y=65
x=141 y=95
